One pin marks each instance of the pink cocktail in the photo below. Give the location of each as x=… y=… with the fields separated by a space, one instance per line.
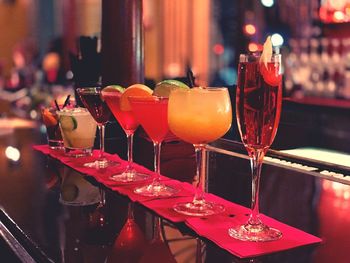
x=152 y=113
x=129 y=124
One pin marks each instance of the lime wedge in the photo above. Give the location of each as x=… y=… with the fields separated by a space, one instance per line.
x=68 y=123
x=164 y=87
x=114 y=88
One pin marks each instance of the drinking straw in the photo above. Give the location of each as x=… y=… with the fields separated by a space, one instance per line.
x=190 y=77
x=58 y=107
x=66 y=102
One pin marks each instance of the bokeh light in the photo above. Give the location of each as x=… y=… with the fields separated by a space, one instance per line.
x=277 y=40
x=12 y=153
x=267 y=3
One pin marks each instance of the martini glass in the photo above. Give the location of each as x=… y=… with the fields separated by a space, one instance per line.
x=92 y=100
x=258 y=109
x=199 y=116
x=129 y=124
x=152 y=113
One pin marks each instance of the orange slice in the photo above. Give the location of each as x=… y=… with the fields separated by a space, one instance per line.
x=136 y=90
x=48 y=118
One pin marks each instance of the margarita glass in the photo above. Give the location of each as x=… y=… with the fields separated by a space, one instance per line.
x=152 y=113
x=129 y=124
x=199 y=116
x=92 y=100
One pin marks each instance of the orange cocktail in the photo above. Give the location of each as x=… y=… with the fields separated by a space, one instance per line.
x=199 y=116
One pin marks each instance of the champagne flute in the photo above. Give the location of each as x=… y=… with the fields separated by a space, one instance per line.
x=258 y=109
x=199 y=116
x=92 y=100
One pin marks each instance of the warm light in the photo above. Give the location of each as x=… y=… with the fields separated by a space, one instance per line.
x=173 y=70
x=277 y=40
x=218 y=49
x=249 y=29
x=338 y=16
x=253 y=47
x=33 y=114
x=12 y=153
x=267 y=3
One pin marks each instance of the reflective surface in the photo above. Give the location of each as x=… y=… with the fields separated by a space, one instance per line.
x=61 y=211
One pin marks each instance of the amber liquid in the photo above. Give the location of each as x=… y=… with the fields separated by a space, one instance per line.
x=258 y=103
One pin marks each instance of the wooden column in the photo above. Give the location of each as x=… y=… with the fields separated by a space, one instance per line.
x=122 y=42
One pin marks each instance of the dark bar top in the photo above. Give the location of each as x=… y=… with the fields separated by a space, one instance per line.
x=43 y=206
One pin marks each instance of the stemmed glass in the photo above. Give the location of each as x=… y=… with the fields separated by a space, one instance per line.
x=258 y=109
x=92 y=100
x=199 y=116
x=152 y=113
x=129 y=124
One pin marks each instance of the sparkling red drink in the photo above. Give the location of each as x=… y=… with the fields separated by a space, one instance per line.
x=258 y=103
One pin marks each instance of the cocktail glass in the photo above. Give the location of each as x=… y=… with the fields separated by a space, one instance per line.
x=129 y=124
x=78 y=130
x=53 y=132
x=93 y=101
x=258 y=109
x=152 y=113
x=199 y=116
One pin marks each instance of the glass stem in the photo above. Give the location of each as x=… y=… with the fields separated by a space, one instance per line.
x=157 y=147
x=130 y=142
x=256 y=160
x=157 y=228
x=101 y=129
x=200 y=174
x=131 y=210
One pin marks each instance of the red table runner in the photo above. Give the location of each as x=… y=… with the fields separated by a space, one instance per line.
x=214 y=228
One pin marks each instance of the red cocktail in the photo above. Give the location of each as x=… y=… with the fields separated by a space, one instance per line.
x=117 y=100
x=152 y=113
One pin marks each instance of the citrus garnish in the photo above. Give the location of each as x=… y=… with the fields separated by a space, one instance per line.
x=266 y=54
x=137 y=90
x=270 y=70
x=68 y=123
x=48 y=118
x=164 y=87
x=113 y=88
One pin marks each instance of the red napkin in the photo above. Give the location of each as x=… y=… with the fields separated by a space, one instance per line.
x=215 y=228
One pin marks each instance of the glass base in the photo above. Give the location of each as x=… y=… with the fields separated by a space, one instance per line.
x=55 y=144
x=129 y=176
x=156 y=189
x=255 y=233
x=77 y=152
x=202 y=208
x=101 y=163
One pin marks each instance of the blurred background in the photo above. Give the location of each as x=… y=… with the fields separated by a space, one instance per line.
x=40 y=38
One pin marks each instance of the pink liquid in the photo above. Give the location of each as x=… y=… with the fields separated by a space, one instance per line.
x=126 y=119
x=258 y=103
x=152 y=115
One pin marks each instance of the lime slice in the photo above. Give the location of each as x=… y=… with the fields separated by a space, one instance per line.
x=114 y=88
x=68 y=123
x=164 y=87
x=138 y=90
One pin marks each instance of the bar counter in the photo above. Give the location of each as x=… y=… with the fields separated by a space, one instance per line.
x=51 y=213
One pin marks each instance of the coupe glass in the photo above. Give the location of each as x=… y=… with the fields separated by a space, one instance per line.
x=92 y=100
x=258 y=109
x=129 y=124
x=152 y=113
x=199 y=116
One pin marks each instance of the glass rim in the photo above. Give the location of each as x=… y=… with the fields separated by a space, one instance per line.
x=89 y=89
x=254 y=56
